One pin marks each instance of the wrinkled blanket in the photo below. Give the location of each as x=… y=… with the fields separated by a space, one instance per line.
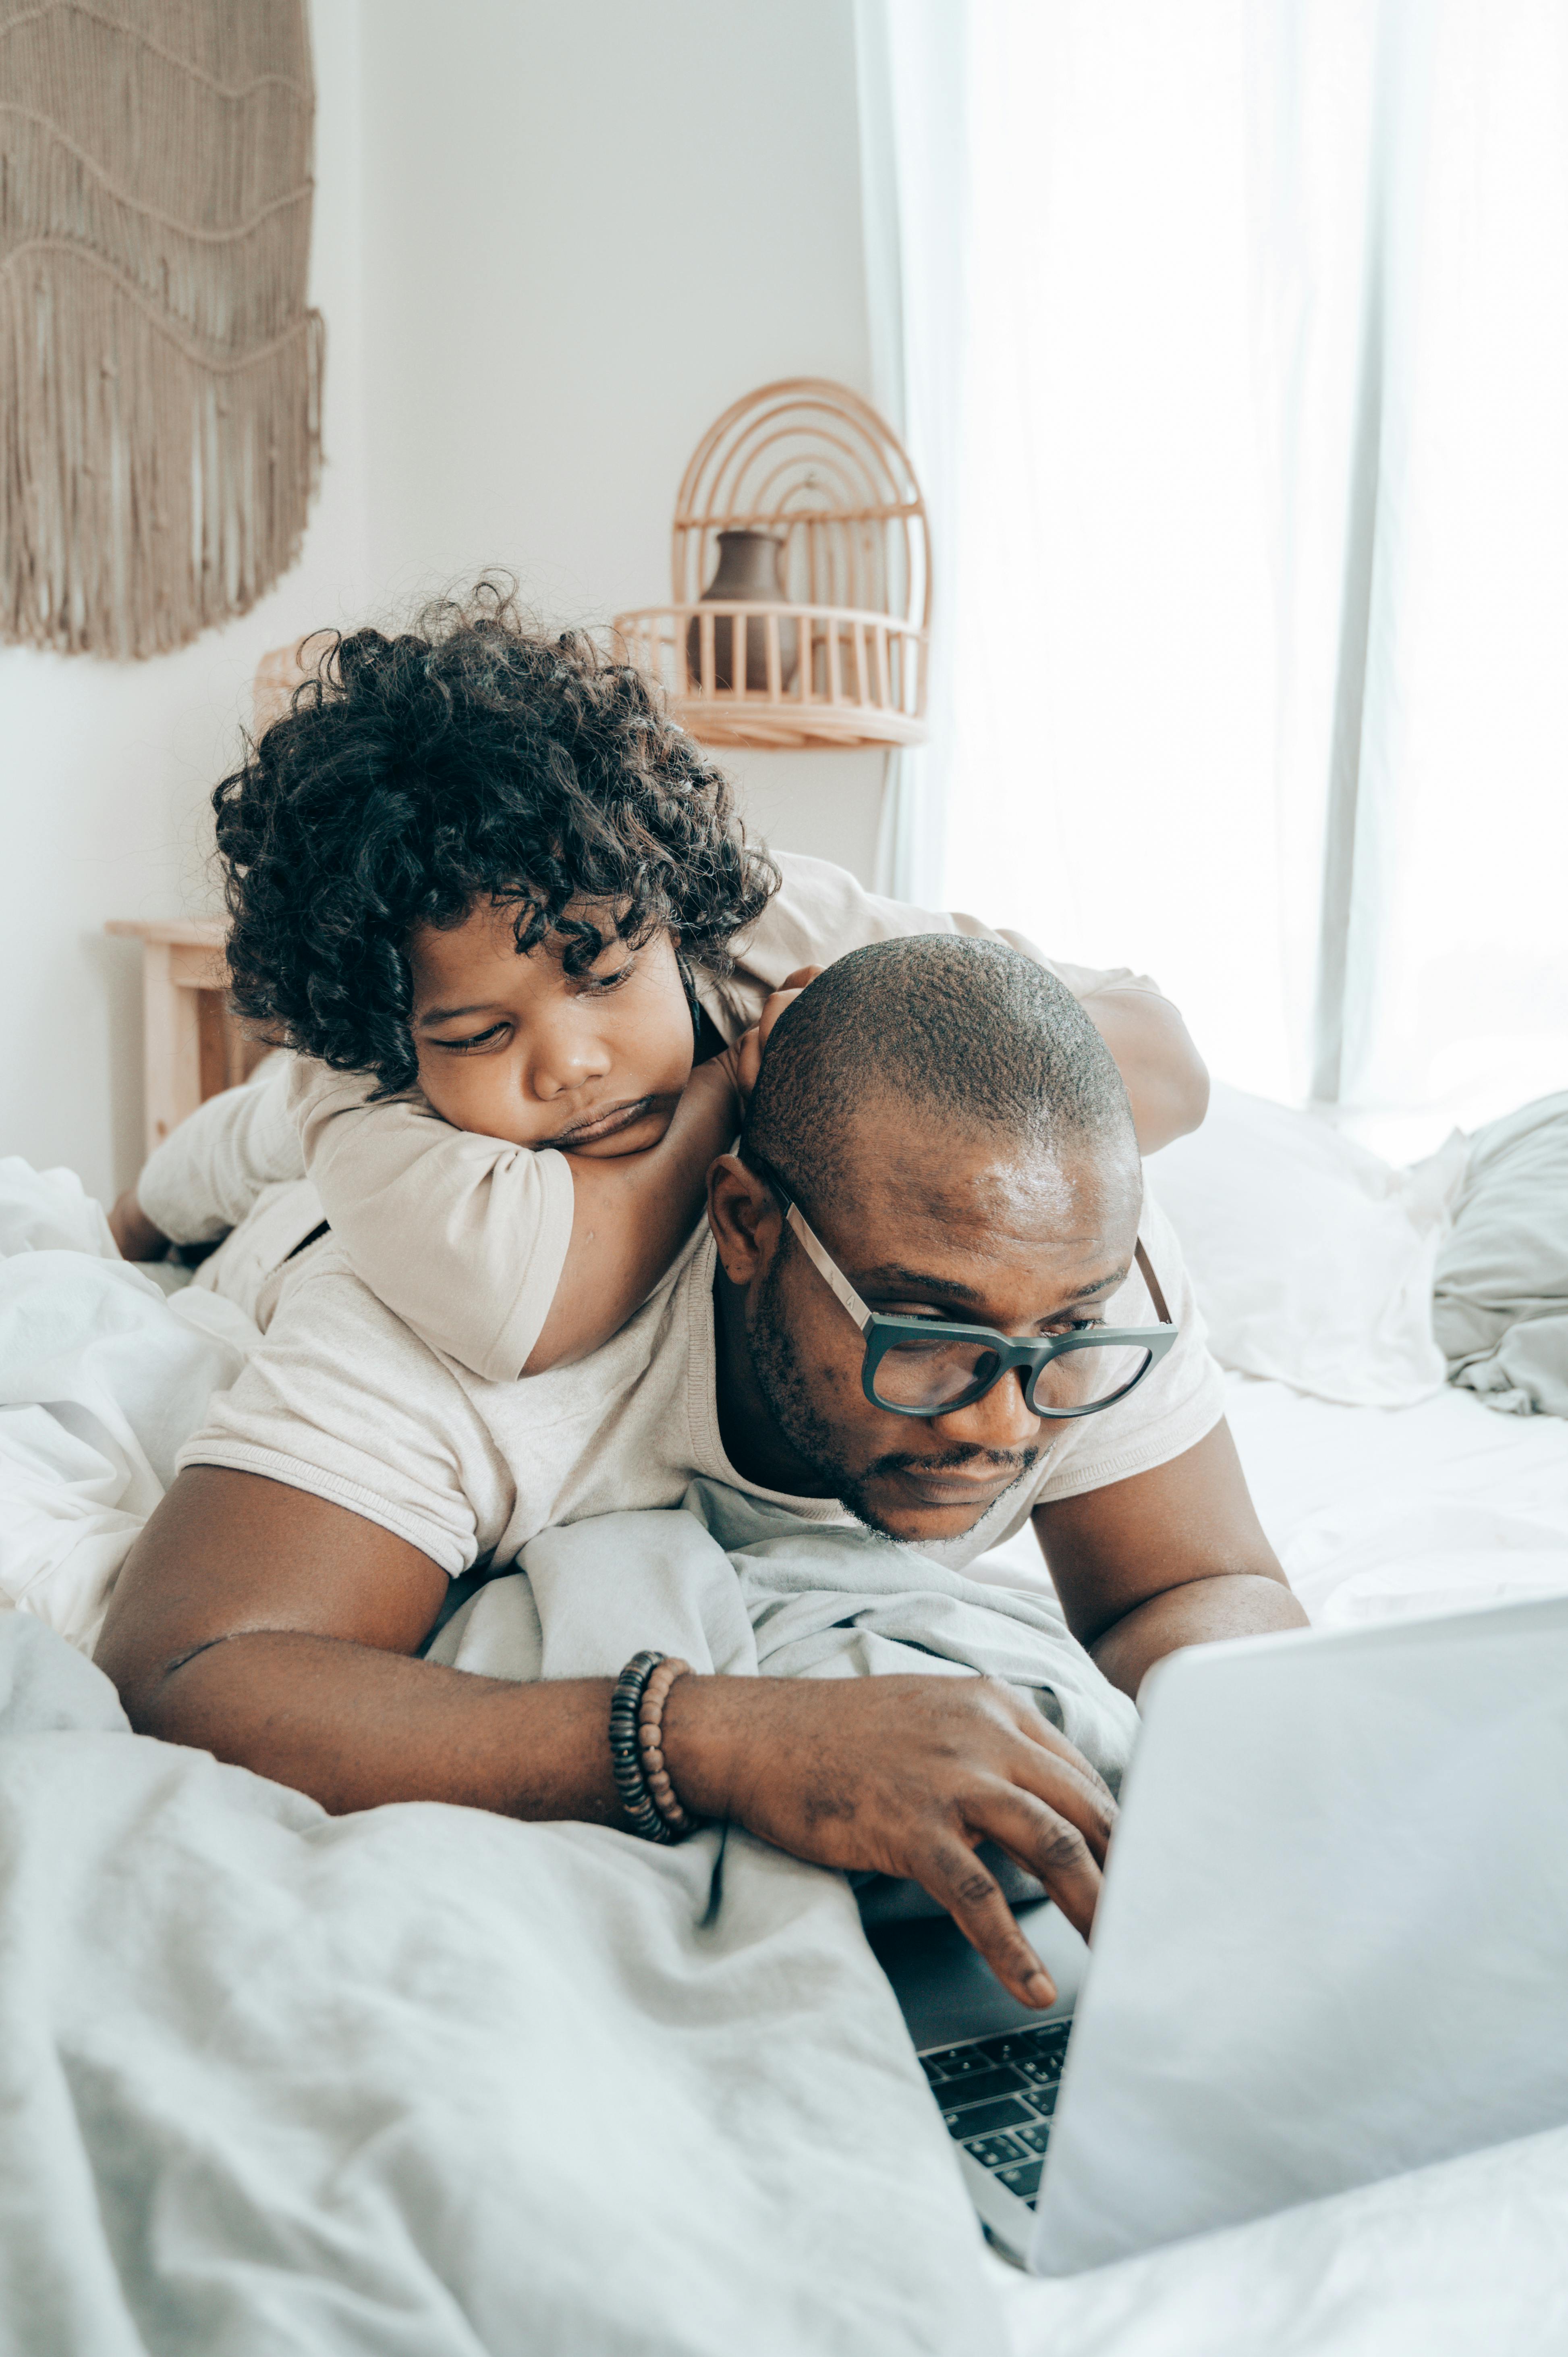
x=102 y=1378
x=1500 y=1292
x=424 y=2083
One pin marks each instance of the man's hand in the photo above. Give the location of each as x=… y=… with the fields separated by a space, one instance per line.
x=135 y=1233
x=906 y=1776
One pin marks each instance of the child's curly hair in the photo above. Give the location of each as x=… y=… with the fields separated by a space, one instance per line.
x=467 y=759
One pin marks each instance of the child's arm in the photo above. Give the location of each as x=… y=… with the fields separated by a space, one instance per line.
x=821 y=911
x=1165 y=1079
x=631 y=1214
x=508 y=1259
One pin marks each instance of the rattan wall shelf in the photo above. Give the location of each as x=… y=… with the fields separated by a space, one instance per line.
x=801 y=578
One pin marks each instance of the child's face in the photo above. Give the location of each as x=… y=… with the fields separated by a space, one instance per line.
x=516 y=1048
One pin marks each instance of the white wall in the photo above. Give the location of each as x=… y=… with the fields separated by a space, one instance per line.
x=551 y=244
x=105 y=767
x=590 y=229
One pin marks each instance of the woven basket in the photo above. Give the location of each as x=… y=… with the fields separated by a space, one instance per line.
x=838 y=656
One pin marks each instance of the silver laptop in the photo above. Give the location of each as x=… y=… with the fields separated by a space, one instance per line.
x=1332 y=1945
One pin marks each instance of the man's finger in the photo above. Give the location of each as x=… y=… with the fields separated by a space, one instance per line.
x=1064 y=1787
x=1044 y=1844
x=1030 y=1720
x=958 y=1881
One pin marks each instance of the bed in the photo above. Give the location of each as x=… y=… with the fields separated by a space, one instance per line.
x=1380 y=1511
x=423 y=2080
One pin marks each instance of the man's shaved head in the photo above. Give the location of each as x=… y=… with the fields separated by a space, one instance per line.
x=972 y=1032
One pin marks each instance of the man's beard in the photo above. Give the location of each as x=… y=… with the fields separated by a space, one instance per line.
x=782 y=1383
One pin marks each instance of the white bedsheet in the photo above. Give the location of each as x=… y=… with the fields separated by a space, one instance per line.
x=1380 y=1512
x=1466 y=2259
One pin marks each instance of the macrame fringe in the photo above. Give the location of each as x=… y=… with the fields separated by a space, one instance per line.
x=160 y=376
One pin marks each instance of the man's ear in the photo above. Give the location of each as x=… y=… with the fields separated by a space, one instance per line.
x=743 y=1216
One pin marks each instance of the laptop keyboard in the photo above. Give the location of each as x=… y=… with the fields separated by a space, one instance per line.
x=997 y=2095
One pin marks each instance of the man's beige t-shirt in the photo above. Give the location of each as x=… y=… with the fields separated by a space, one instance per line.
x=463 y=1236
x=344 y=1400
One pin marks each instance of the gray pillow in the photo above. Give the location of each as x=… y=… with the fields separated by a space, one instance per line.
x=1500 y=1292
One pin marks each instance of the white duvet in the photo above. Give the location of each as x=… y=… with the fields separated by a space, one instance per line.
x=102 y=1377
x=422 y=2080
x=424 y=2083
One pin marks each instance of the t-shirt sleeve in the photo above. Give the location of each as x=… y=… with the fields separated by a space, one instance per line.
x=464 y=1237
x=1175 y=1404
x=1086 y=982
x=207 y=1174
x=821 y=912
x=341 y=1400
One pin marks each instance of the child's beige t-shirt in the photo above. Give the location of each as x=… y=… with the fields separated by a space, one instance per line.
x=465 y=1237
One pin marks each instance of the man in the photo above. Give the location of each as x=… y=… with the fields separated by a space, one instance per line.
x=938 y=1161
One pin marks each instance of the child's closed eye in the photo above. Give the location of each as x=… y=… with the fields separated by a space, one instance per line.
x=488 y=1038
x=600 y=984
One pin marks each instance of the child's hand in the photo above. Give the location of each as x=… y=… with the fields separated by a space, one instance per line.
x=135 y=1233
x=748 y=1048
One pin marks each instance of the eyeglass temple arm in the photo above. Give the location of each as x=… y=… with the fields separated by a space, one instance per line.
x=832 y=1276
x=1153 y=1282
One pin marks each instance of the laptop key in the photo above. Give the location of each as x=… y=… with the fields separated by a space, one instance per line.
x=979 y=2086
x=997 y=2151
x=1012 y=2048
x=1023 y=2180
x=1043 y=2069
x=969 y=2061
x=1037 y=2135
x=988 y=2119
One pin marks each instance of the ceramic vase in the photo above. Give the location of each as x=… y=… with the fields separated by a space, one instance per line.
x=750 y=567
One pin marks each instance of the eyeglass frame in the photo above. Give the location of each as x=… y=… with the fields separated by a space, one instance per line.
x=881 y=1333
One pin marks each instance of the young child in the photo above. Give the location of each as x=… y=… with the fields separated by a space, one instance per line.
x=504 y=912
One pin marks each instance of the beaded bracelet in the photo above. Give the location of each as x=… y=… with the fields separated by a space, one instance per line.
x=636 y=1753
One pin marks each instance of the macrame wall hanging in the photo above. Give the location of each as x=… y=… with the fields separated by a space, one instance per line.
x=160 y=375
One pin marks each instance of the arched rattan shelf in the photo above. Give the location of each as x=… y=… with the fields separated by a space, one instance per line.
x=818 y=504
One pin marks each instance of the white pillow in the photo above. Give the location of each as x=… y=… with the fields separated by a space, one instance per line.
x=50 y=1211
x=1311 y=1258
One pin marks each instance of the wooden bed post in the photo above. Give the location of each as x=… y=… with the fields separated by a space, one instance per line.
x=193 y=1043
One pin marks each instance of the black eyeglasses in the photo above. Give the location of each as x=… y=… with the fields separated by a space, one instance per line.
x=917 y=1366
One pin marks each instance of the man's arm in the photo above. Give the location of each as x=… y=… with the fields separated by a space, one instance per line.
x=1173 y=1557
x=276 y=1629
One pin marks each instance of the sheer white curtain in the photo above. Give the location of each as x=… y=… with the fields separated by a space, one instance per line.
x=1256 y=374
x=912 y=61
